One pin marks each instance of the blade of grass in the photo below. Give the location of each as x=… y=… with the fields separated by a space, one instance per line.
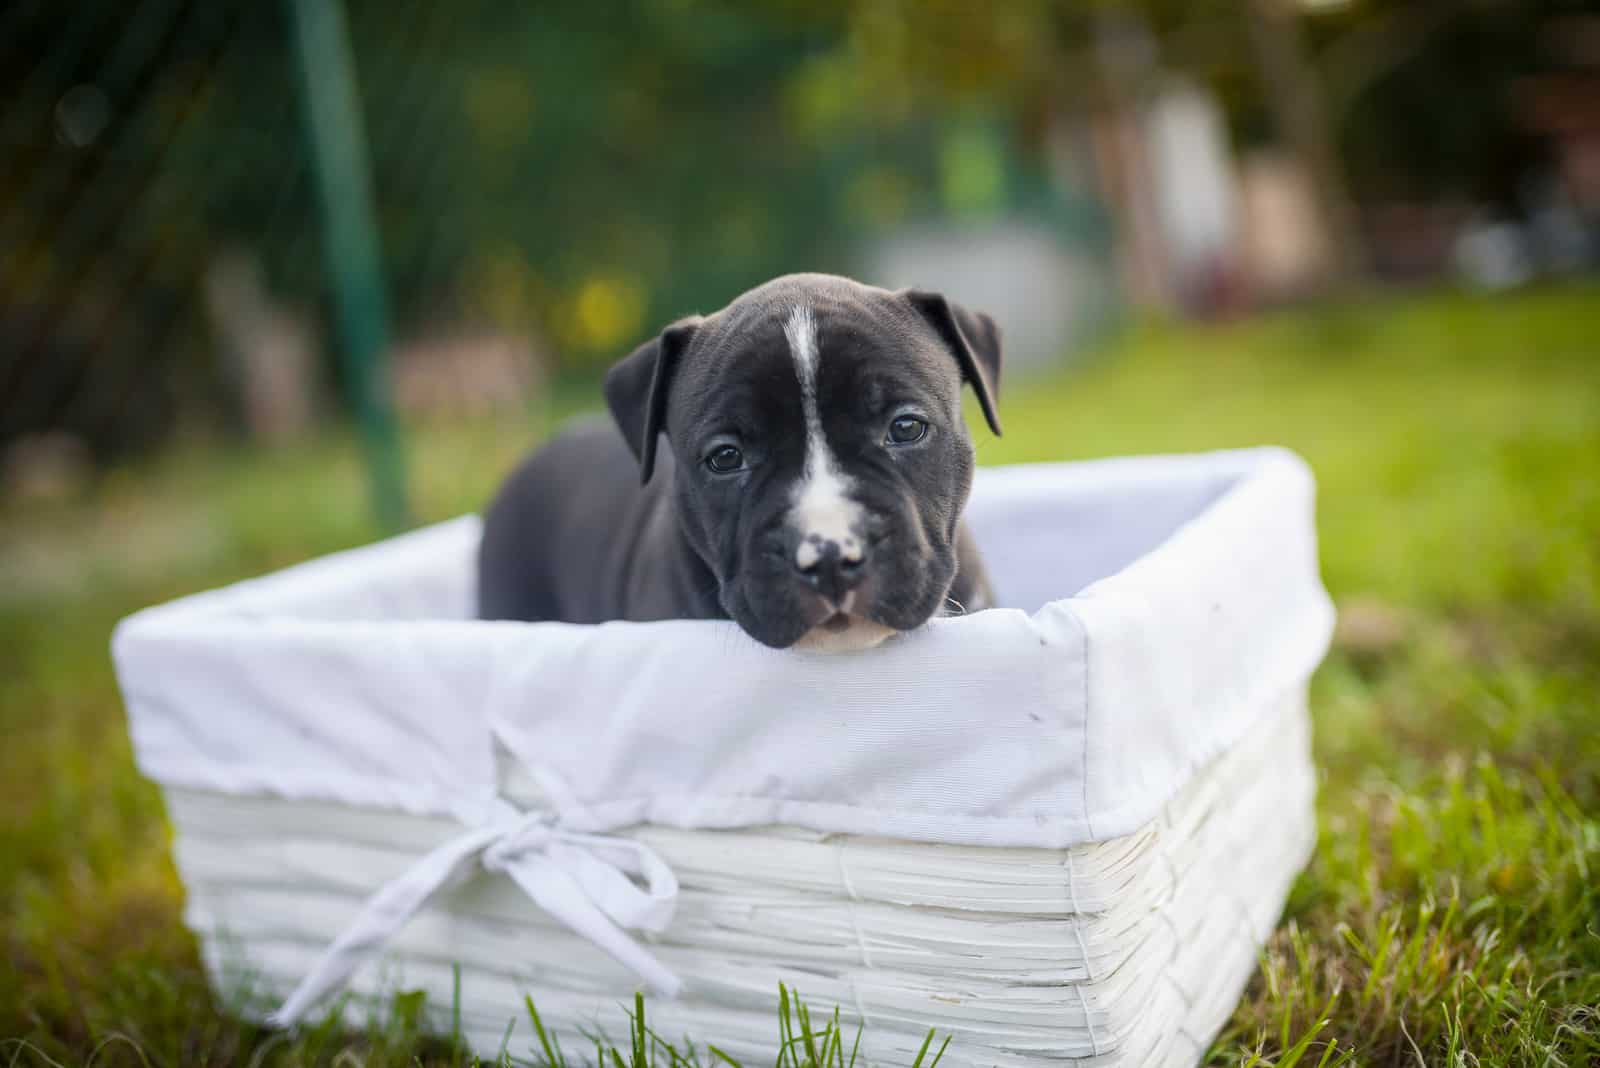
x=923 y=1052
x=785 y=1030
x=505 y=1041
x=455 y=1011
x=636 y=1033
x=544 y=1038
x=830 y=1040
x=808 y=1034
x=723 y=1057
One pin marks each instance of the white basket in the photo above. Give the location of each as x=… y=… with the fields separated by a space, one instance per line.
x=1059 y=831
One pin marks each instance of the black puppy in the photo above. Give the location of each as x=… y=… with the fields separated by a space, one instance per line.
x=813 y=488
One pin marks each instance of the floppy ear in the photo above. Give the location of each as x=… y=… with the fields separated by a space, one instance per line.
x=974 y=339
x=636 y=391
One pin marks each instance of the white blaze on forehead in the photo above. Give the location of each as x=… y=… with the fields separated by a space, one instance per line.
x=823 y=510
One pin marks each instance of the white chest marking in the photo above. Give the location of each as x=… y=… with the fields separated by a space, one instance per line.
x=823 y=510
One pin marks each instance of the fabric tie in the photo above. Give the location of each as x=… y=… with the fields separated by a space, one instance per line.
x=580 y=879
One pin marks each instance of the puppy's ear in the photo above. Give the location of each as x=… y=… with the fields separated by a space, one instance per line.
x=636 y=391
x=974 y=339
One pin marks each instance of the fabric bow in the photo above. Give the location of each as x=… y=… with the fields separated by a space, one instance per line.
x=580 y=879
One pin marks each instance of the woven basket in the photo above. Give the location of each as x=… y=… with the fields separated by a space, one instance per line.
x=966 y=829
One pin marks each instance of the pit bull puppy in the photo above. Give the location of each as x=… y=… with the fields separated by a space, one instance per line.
x=811 y=491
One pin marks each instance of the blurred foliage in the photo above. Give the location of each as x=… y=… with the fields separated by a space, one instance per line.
x=1421 y=94
x=583 y=172
x=571 y=171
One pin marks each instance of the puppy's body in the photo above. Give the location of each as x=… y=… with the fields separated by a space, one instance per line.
x=574 y=537
x=816 y=469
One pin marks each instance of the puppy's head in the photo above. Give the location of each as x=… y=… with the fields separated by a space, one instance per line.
x=822 y=459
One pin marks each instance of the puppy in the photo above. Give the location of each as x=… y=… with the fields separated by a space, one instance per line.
x=812 y=488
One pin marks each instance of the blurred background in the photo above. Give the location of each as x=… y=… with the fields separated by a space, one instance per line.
x=243 y=223
x=278 y=277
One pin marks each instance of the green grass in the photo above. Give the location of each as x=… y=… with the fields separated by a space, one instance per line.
x=1452 y=913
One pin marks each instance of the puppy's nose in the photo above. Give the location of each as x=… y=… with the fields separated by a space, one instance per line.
x=832 y=568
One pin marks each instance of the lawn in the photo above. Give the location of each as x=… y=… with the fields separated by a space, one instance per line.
x=1452 y=913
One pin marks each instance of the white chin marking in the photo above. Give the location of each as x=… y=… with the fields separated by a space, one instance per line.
x=861 y=634
x=823 y=510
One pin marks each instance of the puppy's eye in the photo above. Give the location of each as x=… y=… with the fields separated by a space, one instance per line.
x=905 y=429
x=725 y=459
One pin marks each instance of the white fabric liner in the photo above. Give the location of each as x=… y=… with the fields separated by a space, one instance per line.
x=1157 y=609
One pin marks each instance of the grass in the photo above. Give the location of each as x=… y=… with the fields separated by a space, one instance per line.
x=1452 y=913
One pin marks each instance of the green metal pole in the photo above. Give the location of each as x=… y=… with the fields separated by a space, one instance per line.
x=350 y=240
